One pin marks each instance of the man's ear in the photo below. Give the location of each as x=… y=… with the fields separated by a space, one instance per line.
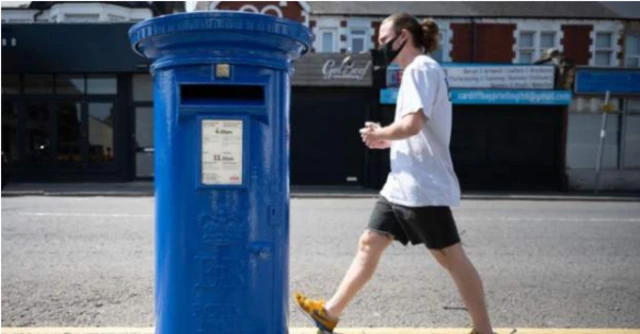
x=407 y=35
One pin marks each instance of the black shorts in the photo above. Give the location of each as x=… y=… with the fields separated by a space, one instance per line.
x=433 y=226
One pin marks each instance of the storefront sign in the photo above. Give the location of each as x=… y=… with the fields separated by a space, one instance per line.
x=500 y=76
x=495 y=96
x=333 y=70
x=388 y=95
x=489 y=76
x=521 y=97
x=600 y=81
x=345 y=70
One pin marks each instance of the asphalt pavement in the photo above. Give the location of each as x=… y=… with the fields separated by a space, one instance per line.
x=88 y=262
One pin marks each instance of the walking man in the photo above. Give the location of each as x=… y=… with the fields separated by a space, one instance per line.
x=414 y=204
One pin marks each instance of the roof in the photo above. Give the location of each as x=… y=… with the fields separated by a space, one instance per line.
x=506 y=9
x=626 y=10
x=14 y=4
x=214 y=4
x=128 y=4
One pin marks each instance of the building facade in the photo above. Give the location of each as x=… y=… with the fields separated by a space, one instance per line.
x=76 y=100
x=85 y=111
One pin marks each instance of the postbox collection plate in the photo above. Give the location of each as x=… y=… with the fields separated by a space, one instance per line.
x=222 y=152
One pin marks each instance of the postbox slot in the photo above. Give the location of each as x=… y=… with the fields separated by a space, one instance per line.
x=206 y=94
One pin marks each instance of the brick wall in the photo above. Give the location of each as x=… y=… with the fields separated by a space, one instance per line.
x=292 y=10
x=495 y=43
x=461 y=42
x=576 y=42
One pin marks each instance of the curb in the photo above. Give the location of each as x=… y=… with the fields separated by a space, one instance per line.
x=76 y=194
x=540 y=198
x=304 y=330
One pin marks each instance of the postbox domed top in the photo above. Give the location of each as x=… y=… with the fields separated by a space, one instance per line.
x=185 y=37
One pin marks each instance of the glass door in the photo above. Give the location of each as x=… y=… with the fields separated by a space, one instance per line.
x=144 y=141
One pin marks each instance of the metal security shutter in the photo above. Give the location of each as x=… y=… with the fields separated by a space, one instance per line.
x=508 y=147
x=326 y=148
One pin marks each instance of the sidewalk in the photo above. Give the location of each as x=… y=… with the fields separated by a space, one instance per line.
x=146 y=189
x=295 y=330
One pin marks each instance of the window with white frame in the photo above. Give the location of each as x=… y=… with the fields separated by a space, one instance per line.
x=603 y=49
x=328 y=40
x=632 y=51
x=440 y=53
x=547 y=41
x=358 y=40
x=533 y=44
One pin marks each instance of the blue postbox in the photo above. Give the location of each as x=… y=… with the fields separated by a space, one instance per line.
x=221 y=115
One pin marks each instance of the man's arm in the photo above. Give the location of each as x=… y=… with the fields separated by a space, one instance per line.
x=408 y=126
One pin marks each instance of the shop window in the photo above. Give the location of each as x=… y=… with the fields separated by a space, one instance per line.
x=38 y=139
x=99 y=84
x=70 y=84
x=142 y=88
x=69 y=132
x=10 y=84
x=10 y=130
x=632 y=51
x=584 y=137
x=100 y=132
x=632 y=141
x=632 y=105
x=631 y=134
x=38 y=84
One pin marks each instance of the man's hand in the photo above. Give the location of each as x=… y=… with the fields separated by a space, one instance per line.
x=370 y=137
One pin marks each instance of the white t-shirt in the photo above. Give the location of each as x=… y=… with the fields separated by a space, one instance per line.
x=422 y=172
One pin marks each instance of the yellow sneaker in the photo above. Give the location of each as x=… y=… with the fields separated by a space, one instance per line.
x=315 y=310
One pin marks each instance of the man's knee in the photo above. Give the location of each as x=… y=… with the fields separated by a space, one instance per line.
x=374 y=242
x=450 y=256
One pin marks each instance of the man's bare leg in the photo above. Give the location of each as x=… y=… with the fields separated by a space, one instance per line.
x=370 y=248
x=469 y=284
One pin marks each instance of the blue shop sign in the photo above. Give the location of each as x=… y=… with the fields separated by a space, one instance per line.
x=601 y=81
x=495 y=96
x=488 y=76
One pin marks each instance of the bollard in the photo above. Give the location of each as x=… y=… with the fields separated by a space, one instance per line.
x=221 y=113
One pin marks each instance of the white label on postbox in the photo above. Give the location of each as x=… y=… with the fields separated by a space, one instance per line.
x=222 y=152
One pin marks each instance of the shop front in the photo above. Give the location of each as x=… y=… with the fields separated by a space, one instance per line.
x=619 y=151
x=509 y=126
x=66 y=102
x=332 y=97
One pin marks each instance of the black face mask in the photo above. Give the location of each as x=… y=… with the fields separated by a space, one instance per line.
x=388 y=52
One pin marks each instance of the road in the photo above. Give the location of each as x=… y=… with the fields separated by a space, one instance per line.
x=88 y=262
